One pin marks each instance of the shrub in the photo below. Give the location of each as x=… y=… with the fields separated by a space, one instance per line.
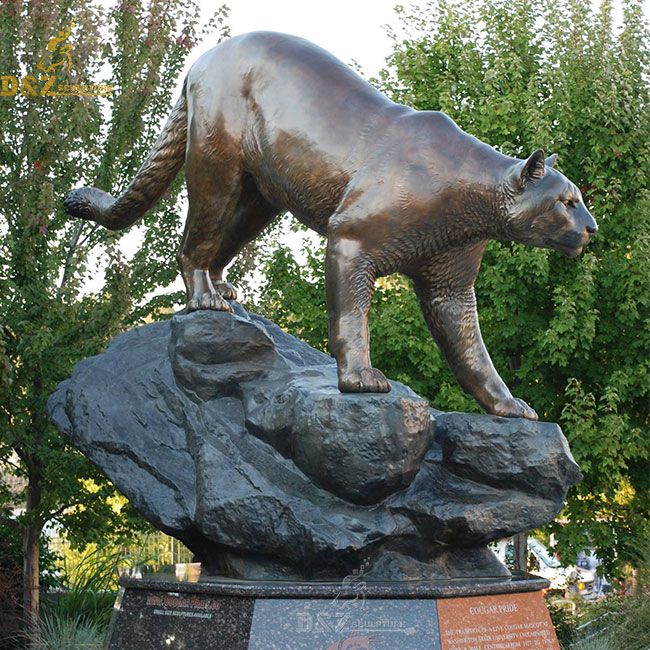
x=633 y=631
x=564 y=623
x=60 y=633
x=88 y=589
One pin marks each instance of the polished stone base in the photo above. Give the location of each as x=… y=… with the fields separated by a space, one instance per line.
x=183 y=609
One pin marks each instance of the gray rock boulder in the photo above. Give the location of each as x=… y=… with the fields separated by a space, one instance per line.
x=231 y=435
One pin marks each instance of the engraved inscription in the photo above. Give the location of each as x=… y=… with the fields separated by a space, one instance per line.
x=183 y=606
x=514 y=622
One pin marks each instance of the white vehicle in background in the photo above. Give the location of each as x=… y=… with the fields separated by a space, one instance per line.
x=542 y=562
x=588 y=560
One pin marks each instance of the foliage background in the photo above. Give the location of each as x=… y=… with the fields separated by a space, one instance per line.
x=48 y=320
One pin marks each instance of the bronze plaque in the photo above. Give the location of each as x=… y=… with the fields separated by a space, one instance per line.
x=505 y=622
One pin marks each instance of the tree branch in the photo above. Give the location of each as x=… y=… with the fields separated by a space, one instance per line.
x=6 y=462
x=22 y=455
x=59 y=511
x=12 y=523
x=91 y=232
x=72 y=249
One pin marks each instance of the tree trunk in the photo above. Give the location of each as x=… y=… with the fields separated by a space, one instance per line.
x=520 y=542
x=634 y=584
x=31 y=536
x=31 y=587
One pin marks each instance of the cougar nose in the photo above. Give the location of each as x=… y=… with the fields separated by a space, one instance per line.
x=592 y=229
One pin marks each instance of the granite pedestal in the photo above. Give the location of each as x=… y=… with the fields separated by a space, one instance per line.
x=181 y=608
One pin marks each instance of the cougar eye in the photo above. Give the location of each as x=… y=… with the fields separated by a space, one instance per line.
x=568 y=203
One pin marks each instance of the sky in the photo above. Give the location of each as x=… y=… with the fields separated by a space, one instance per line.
x=352 y=30
x=349 y=29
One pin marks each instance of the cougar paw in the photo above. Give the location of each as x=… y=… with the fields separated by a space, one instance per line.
x=208 y=300
x=514 y=407
x=367 y=380
x=227 y=291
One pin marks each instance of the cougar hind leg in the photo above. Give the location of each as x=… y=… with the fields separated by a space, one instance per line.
x=214 y=188
x=251 y=215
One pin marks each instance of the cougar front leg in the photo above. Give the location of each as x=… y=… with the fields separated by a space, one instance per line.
x=349 y=284
x=453 y=321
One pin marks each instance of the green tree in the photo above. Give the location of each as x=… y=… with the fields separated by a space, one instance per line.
x=572 y=336
x=48 y=145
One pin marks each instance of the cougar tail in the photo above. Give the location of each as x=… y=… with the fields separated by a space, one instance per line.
x=154 y=176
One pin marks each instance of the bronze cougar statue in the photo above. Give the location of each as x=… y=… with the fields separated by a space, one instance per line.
x=269 y=122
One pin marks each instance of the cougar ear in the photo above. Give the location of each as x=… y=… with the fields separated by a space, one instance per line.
x=551 y=160
x=533 y=168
